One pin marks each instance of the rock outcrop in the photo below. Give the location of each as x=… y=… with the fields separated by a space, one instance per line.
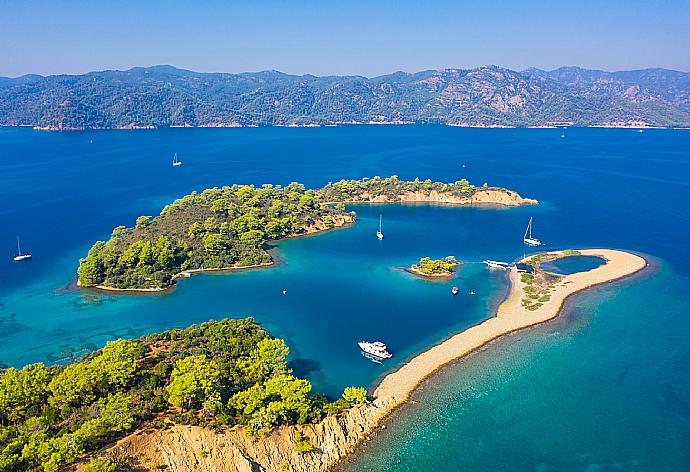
x=482 y=196
x=197 y=449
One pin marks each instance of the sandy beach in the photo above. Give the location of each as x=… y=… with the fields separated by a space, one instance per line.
x=396 y=387
x=337 y=436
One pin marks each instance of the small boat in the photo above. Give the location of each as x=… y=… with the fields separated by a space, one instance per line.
x=376 y=349
x=472 y=293
x=176 y=162
x=496 y=265
x=454 y=290
x=640 y=131
x=379 y=233
x=528 y=239
x=20 y=256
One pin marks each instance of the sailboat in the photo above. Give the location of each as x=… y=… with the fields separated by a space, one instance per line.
x=176 y=162
x=379 y=233
x=528 y=239
x=20 y=256
x=563 y=133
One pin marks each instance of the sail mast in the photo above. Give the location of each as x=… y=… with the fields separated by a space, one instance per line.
x=529 y=229
x=19 y=249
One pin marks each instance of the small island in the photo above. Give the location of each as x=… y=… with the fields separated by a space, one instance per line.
x=231 y=227
x=427 y=267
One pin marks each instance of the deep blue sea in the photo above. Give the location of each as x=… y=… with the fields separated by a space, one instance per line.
x=605 y=387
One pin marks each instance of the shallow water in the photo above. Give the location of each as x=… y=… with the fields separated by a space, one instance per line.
x=572 y=264
x=541 y=401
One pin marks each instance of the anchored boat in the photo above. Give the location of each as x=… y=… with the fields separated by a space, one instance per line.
x=528 y=239
x=379 y=233
x=377 y=350
x=176 y=162
x=20 y=256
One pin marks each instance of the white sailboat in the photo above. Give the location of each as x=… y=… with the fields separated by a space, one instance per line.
x=379 y=233
x=176 y=162
x=20 y=256
x=528 y=239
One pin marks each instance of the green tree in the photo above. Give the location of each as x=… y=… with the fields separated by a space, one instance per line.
x=213 y=244
x=267 y=359
x=194 y=379
x=91 y=268
x=142 y=221
x=253 y=238
x=356 y=395
x=22 y=391
x=100 y=464
x=82 y=382
x=281 y=399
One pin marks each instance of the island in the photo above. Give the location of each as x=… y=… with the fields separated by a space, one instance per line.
x=213 y=376
x=230 y=228
x=427 y=267
x=319 y=446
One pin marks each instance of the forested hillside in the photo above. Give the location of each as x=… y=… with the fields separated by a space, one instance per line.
x=486 y=96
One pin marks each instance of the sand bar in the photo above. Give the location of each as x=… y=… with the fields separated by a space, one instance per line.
x=396 y=387
x=337 y=436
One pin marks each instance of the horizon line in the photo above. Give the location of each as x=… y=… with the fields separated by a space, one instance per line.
x=307 y=74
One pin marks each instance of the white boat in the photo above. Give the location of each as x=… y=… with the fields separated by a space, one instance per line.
x=20 y=256
x=454 y=290
x=528 y=239
x=497 y=265
x=176 y=162
x=376 y=349
x=379 y=233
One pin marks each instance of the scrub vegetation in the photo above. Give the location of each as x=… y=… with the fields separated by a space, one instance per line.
x=217 y=374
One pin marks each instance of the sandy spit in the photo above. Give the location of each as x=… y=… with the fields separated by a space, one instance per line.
x=197 y=449
x=396 y=387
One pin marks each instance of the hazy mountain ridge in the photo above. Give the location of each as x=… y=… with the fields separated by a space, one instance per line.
x=485 y=96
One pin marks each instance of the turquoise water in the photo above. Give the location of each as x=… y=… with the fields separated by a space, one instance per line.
x=572 y=264
x=605 y=388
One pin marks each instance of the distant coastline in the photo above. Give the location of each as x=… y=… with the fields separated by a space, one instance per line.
x=337 y=124
x=482 y=97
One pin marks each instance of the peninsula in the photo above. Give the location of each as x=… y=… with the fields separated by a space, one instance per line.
x=184 y=448
x=215 y=375
x=229 y=228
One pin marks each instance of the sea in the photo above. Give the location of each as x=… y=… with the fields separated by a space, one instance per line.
x=605 y=387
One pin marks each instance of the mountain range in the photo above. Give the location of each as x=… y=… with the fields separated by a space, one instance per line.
x=162 y=96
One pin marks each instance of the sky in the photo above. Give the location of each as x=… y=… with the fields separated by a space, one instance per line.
x=340 y=37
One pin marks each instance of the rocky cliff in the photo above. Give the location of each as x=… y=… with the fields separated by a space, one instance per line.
x=482 y=196
x=196 y=449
